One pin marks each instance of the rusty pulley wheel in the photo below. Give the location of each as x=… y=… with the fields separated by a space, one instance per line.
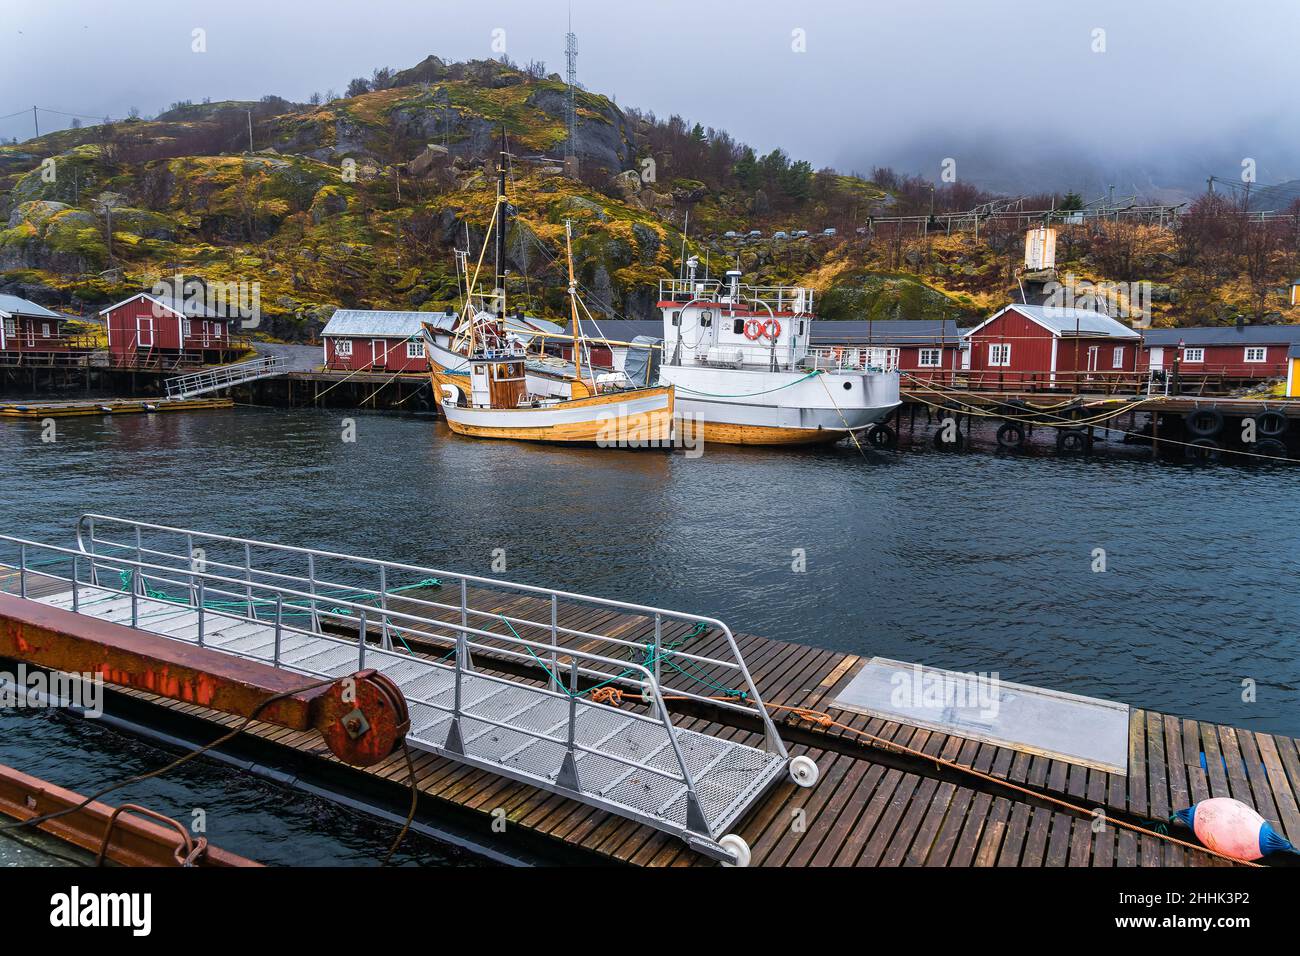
x=363 y=718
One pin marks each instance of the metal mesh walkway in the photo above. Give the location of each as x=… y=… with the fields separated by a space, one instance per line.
x=623 y=761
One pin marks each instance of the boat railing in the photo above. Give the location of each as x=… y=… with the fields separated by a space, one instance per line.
x=689 y=656
x=853 y=359
x=782 y=299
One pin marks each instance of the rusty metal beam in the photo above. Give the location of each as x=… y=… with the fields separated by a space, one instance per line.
x=134 y=841
x=363 y=717
x=63 y=640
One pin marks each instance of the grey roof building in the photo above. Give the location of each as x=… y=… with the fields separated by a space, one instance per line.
x=12 y=305
x=1225 y=335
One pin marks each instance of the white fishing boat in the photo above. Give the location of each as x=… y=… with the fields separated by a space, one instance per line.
x=739 y=359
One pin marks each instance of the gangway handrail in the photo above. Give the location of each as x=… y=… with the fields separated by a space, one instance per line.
x=223 y=376
x=139 y=577
x=86 y=539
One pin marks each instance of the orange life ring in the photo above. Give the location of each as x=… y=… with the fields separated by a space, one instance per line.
x=772 y=329
x=753 y=330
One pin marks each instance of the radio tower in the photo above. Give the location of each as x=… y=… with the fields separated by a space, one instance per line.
x=571 y=106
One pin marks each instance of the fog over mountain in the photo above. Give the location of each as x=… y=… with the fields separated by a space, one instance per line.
x=1025 y=95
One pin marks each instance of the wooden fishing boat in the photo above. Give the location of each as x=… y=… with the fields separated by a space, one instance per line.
x=483 y=380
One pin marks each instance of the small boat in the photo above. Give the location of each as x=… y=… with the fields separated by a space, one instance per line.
x=486 y=391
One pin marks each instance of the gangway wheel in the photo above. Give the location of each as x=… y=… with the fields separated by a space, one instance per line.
x=738 y=848
x=804 y=771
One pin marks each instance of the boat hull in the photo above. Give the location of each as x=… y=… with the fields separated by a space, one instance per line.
x=632 y=419
x=742 y=407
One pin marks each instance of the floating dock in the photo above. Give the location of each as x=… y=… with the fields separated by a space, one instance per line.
x=109 y=406
x=887 y=793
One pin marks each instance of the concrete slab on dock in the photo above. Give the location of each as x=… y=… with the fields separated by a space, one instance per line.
x=873 y=805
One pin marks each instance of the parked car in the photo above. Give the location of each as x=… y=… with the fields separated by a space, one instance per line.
x=756 y=233
x=801 y=234
x=782 y=234
x=729 y=234
x=828 y=232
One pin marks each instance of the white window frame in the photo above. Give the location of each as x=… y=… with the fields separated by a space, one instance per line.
x=343 y=348
x=929 y=358
x=1193 y=355
x=216 y=330
x=1260 y=350
x=1117 y=359
x=45 y=330
x=415 y=350
x=187 y=328
x=999 y=354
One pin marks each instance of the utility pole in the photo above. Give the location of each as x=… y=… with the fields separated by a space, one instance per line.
x=250 y=131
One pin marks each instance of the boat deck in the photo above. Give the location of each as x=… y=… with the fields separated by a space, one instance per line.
x=874 y=806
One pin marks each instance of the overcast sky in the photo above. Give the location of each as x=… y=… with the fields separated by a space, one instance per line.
x=1187 y=85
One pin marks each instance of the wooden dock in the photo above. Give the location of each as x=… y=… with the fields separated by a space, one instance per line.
x=872 y=806
x=108 y=406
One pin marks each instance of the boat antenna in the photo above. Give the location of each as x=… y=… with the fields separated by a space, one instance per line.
x=500 y=248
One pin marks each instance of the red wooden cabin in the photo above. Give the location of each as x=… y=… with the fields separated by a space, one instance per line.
x=31 y=333
x=364 y=339
x=1243 y=353
x=160 y=332
x=1040 y=346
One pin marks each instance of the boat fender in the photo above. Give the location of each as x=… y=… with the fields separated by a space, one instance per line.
x=1204 y=422
x=881 y=435
x=1229 y=826
x=772 y=329
x=753 y=330
x=1269 y=447
x=1011 y=435
x=1071 y=441
x=1271 y=423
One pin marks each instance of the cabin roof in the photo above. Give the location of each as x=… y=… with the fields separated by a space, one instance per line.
x=886 y=332
x=378 y=323
x=11 y=305
x=1066 y=322
x=189 y=308
x=1225 y=335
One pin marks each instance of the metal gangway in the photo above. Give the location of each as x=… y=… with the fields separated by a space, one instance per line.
x=224 y=376
x=506 y=687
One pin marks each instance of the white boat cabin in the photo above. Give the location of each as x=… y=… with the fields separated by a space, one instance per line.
x=729 y=324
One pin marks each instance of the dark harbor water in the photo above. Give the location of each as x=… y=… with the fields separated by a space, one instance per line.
x=972 y=561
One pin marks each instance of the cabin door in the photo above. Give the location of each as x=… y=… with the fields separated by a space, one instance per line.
x=144 y=332
x=1157 y=358
x=379 y=349
x=1094 y=357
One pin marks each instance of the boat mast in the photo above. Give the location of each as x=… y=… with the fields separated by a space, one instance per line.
x=573 y=302
x=499 y=252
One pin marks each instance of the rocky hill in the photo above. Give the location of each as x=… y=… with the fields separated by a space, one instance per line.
x=361 y=200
